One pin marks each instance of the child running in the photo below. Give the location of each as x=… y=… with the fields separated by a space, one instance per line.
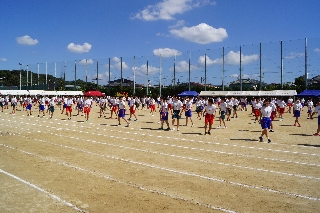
x=296 y=112
x=209 y=112
x=86 y=109
x=265 y=121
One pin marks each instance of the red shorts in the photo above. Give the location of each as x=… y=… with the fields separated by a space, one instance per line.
x=273 y=115
x=86 y=110
x=132 y=110
x=184 y=106
x=169 y=106
x=152 y=107
x=114 y=108
x=257 y=112
x=290 y=104
x=69 y=109
x=209 y=118
x=281 y=110
x=218 y=104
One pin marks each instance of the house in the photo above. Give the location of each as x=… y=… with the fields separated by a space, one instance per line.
x=248 y=83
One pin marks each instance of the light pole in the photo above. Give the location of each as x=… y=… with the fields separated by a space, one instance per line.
x=20 y=74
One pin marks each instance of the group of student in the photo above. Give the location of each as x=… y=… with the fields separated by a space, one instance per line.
x=264 y=110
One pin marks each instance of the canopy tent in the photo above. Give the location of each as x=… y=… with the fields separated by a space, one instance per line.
x=94 y=94
x=249 y=93
x=189 y=93
x=309 y=93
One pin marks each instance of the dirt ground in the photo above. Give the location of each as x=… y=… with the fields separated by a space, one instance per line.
x=60 y=165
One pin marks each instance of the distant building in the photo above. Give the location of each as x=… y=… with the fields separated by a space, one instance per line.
x=248 y=83
x=125 y=83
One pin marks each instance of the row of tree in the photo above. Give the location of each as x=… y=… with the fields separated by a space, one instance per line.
x=12 y=78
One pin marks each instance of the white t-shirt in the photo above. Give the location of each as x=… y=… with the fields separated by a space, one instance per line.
x=223 y=106
x=177 y=105
x=210 y=109
x=297 y=106
x=266 y=111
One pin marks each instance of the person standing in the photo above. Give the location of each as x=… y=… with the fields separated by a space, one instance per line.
x=132 y=105
x=188 y=111
x=317 y=111
x=223 y=108
x=69 y=107
x=235 y=107
x=265 y=121
x=297 y=106
x=209 y=113
x=122 y=111
x=1 y=103
x=13 y=105
x=87 y=108
x=175 y=111
x=164 y=113
x=51 y=106
x=41 y=106
x=290 y=104
x=310 y=107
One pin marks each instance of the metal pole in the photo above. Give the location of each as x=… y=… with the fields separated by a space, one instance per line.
x=64 y=75
x=189 y=70
x=260 y=88
x=20 y=74
x=55 y=75
x=31 y=78
x=160 y=75
x=281 y=65
x=147 y=78
x=97 y=75
x=134 y=76
x=38 y=75
x=205 y=72
x=109 y=78
x=240 y=71
x=86 y=73
x=306 y=63
x=46 y=73
x=75 y=74
x=121 y=72
x=174 y=71
x=27 y=77
x=222 y=68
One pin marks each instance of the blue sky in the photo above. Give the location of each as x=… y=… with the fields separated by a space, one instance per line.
x=35 y=32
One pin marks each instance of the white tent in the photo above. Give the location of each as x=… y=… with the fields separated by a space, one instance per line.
x=249 y=93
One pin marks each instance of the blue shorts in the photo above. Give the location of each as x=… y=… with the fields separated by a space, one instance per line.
x=319 y=120
x=296 y=113
x=41 y=108
x=164 y=116
x=188 y=113
x=29 y=106
x=244 y=104
x=64 y=106
x=265 y=123
x=122 y=113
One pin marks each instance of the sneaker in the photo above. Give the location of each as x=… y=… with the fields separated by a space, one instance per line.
x=172 y=129
x=177 y=129
x=294 y=124
x=315 y=134
x=299 y=125
x=168 y=129
x=86 y=120
x=128 y=124
x=129 y=119
x=225 y=127
x=269 y=140
x=271 y=130
x=205 y=133
x=218 y=127
x=136 y=119
x=160 y=128
x=119 y=124
x=192 y=125
x=209 y=133
x=260 y=139
x=158 y=122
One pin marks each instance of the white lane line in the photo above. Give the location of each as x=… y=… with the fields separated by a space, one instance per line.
x=262 y=188
x=95 y=173
x=44 y=191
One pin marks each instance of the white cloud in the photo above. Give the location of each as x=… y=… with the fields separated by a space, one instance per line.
x=27 y=40
x=116 y=59
x=201 y=34
x=294 y=55
x=117 y=64
x=3 y=59
x=183 y=66
x=86 y=47
x=166 y=52
x=179 y=23
x=142 y=70
x=167 y=9
x=202 y=62
x=86 y=61
x=317 y=50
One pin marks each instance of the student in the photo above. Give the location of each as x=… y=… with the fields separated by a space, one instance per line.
x=282 y=106
x=199 y=107
x=317 y=111
x=65 y=100
x=290 y=104
x=28 y=104
x=175 y=112
x=152 y=105
x=87 y=108
x=132 y=105
x=13 y=105
x=122 y=111
x=229 y=104
x=265 y=120
x=102 y=106
x=273 y=114
x=41 y=106
x=223 y=108
x=164 y=113
x=51 y=106
x=256 y=107
x=188 y=111
x=310 y=107
x=1 y=103
x=235 y=107
x=209 y=113
x=296 y=112
x=69 y=107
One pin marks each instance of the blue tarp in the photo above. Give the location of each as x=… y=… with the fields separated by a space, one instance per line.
x=309 y=93
x=189 y=93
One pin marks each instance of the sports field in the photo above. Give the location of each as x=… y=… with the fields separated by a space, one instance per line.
x=60 y=165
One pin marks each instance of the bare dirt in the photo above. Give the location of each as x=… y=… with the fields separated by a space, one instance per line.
x=60 y=165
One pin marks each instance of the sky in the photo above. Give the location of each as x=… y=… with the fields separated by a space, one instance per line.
x=85 y=35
